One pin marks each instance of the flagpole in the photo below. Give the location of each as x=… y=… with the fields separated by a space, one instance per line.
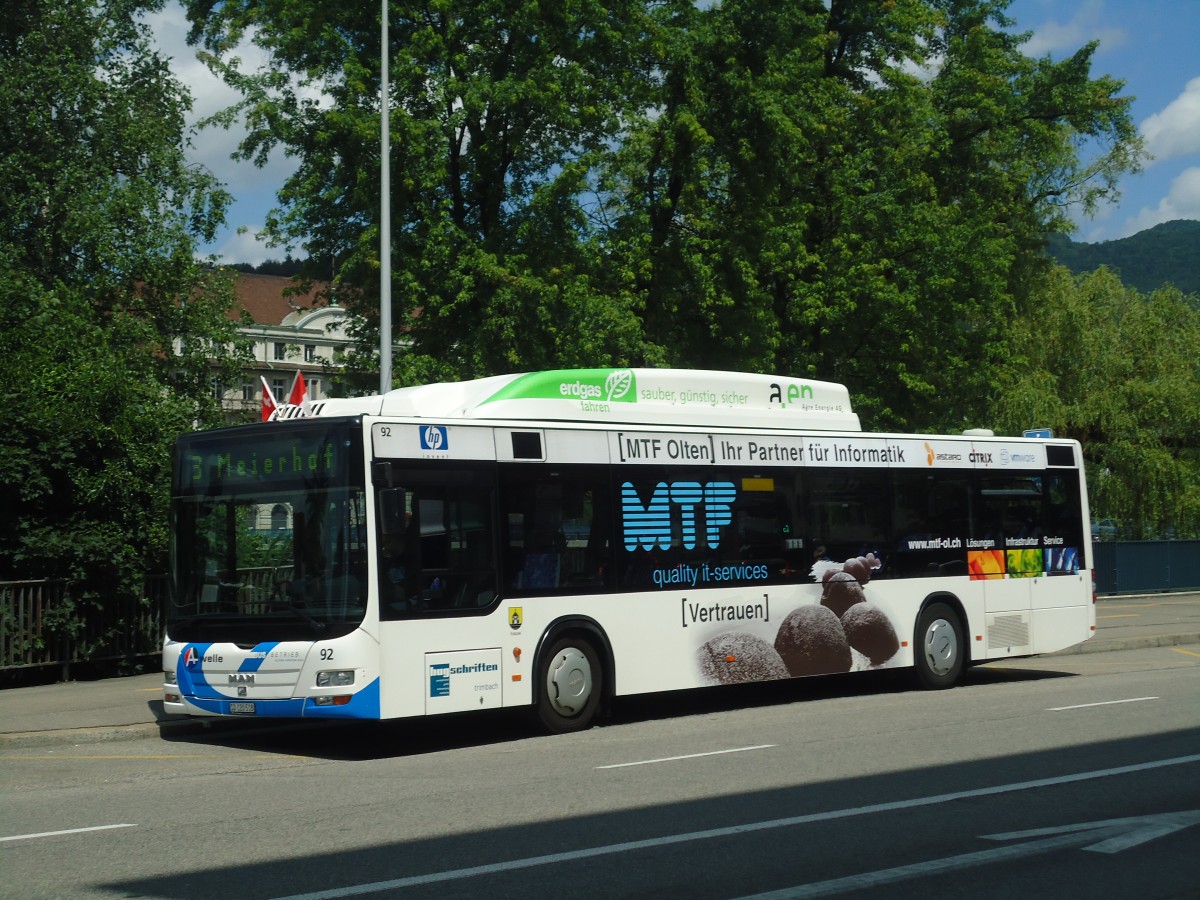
x=385 y=211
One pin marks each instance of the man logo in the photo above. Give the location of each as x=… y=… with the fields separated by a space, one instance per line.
x=433 y=437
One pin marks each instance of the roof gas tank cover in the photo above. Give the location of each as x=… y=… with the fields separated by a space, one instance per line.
x=636 y=396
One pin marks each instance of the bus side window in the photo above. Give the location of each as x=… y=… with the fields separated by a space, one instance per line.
x=555 y=529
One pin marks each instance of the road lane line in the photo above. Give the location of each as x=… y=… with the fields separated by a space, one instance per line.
x=1188 y=652
x=731 y=831
x=42 y=834
x=647 y=762
x=1103 y=703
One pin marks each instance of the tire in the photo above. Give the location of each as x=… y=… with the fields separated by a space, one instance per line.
x=569 y=683
x=940 y=650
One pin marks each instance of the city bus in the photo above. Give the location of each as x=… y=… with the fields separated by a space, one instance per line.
x=554 y=540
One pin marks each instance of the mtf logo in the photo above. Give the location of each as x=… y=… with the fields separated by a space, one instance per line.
x=649 y=525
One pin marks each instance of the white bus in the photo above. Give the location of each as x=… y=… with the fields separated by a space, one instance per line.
x=556 y=539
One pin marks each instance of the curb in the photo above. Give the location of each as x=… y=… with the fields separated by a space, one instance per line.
x=1140 y=643
x=166 y=730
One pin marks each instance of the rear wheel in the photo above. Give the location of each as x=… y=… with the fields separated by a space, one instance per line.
x=940 y=649
x=569 y=685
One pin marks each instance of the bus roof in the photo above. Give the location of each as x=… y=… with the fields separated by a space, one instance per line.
x=624 y=396
x=636 y=396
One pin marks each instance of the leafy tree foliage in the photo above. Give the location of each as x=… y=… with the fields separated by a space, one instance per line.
x=107 y=324
x=1116 y=370
x=849 y=190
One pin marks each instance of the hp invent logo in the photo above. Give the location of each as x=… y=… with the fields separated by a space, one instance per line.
x=433 y=437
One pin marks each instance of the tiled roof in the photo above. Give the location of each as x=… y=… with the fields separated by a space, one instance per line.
x=264 y=298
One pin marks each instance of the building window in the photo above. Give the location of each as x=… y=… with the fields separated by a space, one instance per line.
x=218 y=391
x=278 y=388
x=247 y=390
x=314 y=388
x=280 y=350
x=310 y=352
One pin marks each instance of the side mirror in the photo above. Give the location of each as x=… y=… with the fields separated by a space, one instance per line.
x=392 y=517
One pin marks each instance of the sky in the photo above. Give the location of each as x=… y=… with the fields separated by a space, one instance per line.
x=1152 y=45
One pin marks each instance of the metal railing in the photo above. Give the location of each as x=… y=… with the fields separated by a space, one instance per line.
x=1146 y=567
x=40 y=626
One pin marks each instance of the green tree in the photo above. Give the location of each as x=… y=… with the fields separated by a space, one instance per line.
x=108 y=327
x=849 y=190
x=1115 y=369
x=498 y=110
x=858 y=192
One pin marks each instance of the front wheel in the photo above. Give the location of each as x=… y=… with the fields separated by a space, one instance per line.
x=569 y=685
x=940 y=649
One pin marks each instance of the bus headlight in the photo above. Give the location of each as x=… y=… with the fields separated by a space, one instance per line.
x=335 y=678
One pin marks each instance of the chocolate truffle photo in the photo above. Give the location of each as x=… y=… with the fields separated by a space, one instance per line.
x=739 y=657
x=842 y=590
x=811 y=641
x=870 y=632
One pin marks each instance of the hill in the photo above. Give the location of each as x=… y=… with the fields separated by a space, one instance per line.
x=1167 y=253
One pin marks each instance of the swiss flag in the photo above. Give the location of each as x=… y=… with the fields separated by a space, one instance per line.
x=299 y=395
x=268 y=400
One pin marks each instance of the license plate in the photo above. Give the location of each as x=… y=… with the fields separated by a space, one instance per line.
x=242 y=707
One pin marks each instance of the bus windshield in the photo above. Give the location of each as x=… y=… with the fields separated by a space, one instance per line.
x=269 y=533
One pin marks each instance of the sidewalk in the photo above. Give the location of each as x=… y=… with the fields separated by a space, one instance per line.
x=126 y=708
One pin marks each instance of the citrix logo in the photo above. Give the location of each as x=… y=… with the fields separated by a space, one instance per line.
x=648 y=525
x=978 y=456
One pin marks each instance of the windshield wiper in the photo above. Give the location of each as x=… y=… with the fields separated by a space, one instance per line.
x=317 y=625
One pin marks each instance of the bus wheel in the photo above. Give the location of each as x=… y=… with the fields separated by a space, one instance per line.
x=940 y=649
x=569 y=685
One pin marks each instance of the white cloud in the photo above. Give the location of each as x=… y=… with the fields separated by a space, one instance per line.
x=253 y=188
x=1181 y=202
x=1175 y=131
x=245 y=247
x=1086 y=25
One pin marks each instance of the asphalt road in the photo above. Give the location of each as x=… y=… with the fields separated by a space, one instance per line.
x=1046 y=778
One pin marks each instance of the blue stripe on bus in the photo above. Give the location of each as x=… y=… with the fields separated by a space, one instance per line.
x=258 y=656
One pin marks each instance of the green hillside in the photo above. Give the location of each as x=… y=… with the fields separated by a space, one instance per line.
x=1167 y=253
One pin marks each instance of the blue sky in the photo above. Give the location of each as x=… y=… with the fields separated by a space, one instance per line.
x=1152 y=45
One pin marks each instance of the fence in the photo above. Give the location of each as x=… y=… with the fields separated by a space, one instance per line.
x=1133 y=567
x=40 y=628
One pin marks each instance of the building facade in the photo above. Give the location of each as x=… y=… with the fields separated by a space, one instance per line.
x=291 y=332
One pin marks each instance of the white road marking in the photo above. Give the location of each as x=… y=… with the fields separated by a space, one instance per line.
x=1104 y=703
x=730 y=831
x=41 y=834
x=1112 y=836
x=648 y=762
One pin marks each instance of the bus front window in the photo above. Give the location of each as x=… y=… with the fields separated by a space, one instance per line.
x=266 y=548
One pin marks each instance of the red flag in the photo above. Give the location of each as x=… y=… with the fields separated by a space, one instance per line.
x=299 y=395
x=268 y=399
